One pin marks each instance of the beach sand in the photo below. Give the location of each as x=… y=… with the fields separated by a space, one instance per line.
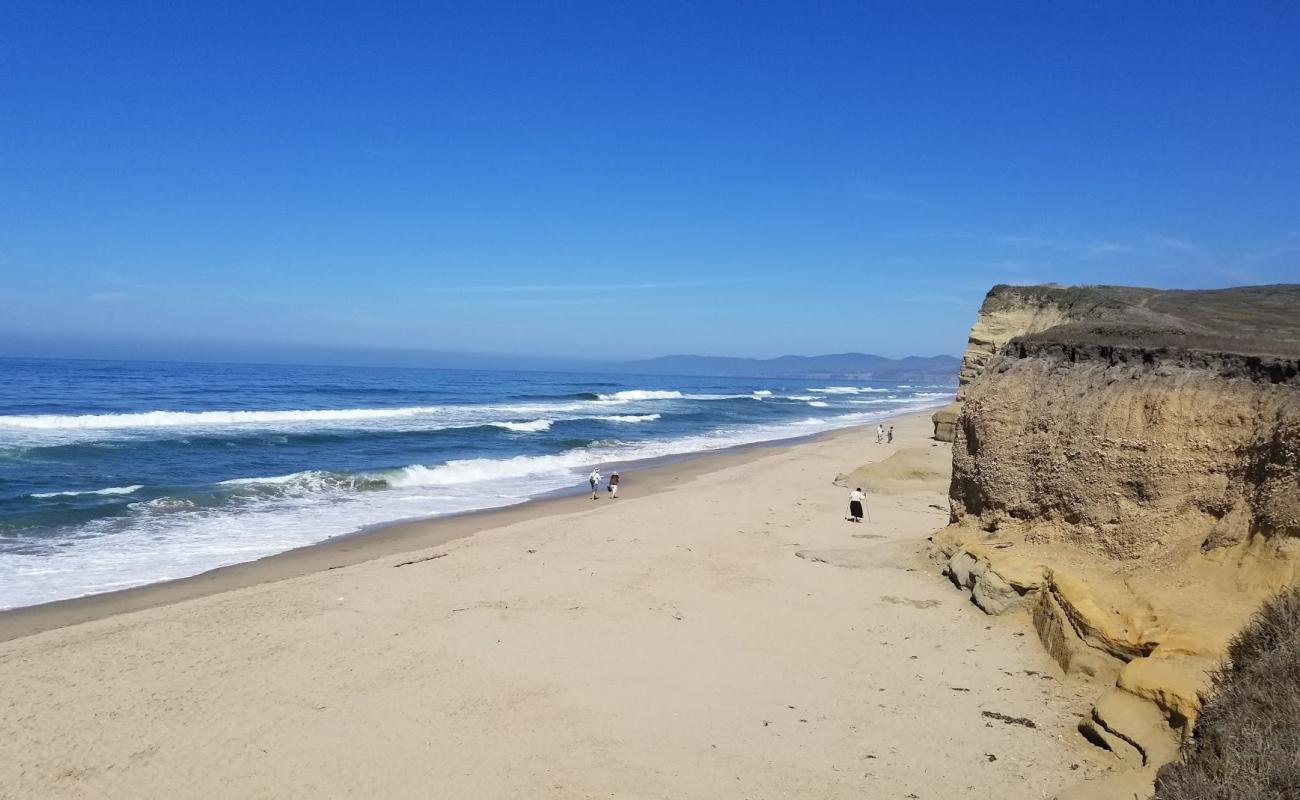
x=717 y=632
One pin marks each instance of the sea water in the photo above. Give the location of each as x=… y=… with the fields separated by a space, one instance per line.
x=117 y=474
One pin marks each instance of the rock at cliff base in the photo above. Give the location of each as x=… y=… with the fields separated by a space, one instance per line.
x=991 y=593
x=1139 y=723
x=1063 y=644
x=945 y=422
x=959 y=569
x=1175 y=683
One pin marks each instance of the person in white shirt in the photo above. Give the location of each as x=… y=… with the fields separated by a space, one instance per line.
x=880 y=433
x=856 y=498
x=594 y=480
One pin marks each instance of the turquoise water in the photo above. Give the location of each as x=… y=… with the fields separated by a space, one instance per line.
x=115 y=474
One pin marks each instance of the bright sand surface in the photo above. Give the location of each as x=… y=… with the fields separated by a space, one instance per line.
x=673 y=643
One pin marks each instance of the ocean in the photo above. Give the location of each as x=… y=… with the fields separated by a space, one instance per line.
x=116 y=474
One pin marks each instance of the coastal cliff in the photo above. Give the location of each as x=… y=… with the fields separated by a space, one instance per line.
x=1013 y=311
x=1126 y=468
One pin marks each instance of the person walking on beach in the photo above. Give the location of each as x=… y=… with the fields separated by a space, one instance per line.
x=594 y=480
x=891 y=434
x=880 y=433
x=613 y=486
x=856 y=497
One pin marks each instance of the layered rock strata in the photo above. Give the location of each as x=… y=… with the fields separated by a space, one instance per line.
x=1012 y=311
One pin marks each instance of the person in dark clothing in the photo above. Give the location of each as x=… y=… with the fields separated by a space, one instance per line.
x=855 y=505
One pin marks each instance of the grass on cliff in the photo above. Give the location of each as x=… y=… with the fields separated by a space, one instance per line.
x=1247 y=738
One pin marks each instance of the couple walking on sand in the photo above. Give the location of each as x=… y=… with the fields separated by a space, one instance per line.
x=594 y=480
x=883 y=436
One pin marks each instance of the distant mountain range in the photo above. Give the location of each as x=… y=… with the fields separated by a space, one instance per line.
x=839 y=365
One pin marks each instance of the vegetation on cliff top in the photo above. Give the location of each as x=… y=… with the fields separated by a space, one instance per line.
x=1247 y=320
x=1246 y=744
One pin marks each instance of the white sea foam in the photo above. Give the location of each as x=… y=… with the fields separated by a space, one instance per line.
x=819 y=404
x=163 y=505
x=629 y=418
x=844 y=389
x=762 y=393
x=478 y=470
x=641 y=394
x=536 y=426
x=108 y=491
x=56 y=430
x=916 y=399
x=273 y=479
x=197 y=419
x=311 y=480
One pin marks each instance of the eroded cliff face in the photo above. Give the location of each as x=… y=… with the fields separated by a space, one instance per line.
x=1126 y=469
x=1009 y=312
x=1130 y=454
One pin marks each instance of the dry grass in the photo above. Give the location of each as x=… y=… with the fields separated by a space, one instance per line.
x=1247 y=738
x=1247 y=320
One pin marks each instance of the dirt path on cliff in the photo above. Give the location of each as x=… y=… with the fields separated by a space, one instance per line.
x=728 y=637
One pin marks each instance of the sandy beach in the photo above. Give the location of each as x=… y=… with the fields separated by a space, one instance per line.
x=720 y=631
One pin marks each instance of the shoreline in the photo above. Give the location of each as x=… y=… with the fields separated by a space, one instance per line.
x=388 y=538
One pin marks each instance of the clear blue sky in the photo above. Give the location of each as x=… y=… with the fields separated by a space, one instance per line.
x=623 y=179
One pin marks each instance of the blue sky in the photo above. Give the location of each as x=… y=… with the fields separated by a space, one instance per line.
x=624 y=179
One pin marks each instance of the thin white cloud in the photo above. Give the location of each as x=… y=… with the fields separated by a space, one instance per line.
x=1174 y=243
x=1022 y=242
x=881 y=194
x=1102 y=249
x=593 y=287
x=1082 y=249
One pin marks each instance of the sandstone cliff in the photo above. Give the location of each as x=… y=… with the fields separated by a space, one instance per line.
x=1126 y=467
x=1012 y=311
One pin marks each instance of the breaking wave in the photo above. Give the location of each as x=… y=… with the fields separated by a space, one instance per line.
x=640 y=394
x=844 y=389
x=194 y=419
x=109 y=491
x=536 y=426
